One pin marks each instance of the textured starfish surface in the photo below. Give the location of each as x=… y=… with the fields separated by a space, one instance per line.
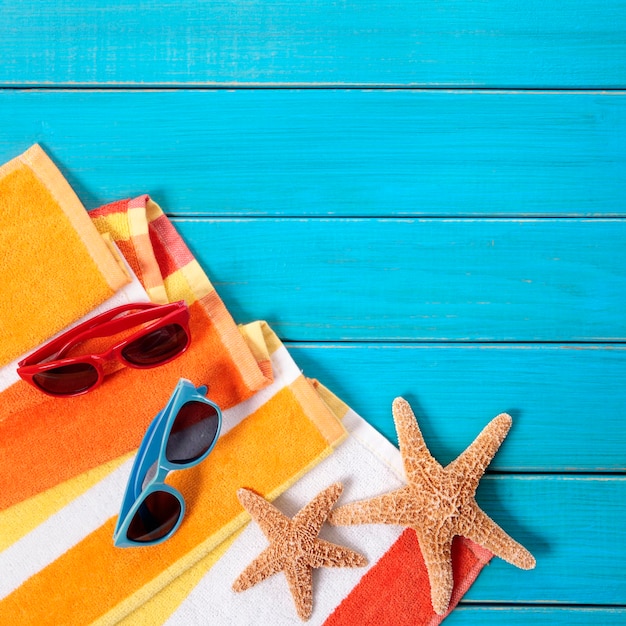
x=294 y=546
x=438 y=502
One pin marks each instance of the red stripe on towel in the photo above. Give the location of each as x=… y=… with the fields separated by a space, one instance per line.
x=396 y=591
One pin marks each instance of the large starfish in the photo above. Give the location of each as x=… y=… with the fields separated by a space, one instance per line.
x=294 y=546
x=438 y=502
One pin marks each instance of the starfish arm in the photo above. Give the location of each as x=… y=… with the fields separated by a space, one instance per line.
x=300 y=580
x=388 y=508
x=271 y=521
x=268 y=563
x=314 y=514
x=437 y=555
x=415 y=455
x=327 y=554
x=471 y=464
x=480 y=528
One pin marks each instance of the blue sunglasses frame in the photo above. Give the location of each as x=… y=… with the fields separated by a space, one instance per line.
x=153 y=451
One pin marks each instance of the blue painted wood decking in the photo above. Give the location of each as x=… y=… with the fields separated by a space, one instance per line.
x=423 y=198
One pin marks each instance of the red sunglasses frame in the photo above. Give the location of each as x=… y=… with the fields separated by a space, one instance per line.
x=104 y=325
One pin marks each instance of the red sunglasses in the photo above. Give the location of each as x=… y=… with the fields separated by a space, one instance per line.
x=163 y=337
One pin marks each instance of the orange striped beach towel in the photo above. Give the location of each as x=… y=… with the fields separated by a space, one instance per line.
x=64 y=462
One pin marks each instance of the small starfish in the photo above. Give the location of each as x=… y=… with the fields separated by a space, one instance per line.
x=438 y=502
x=294 y=546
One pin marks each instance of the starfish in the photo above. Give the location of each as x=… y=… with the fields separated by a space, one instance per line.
x=438 y=502
x=294 y=546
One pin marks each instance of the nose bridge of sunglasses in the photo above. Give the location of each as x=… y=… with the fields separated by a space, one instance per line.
x=155 y=473
x=146 y=467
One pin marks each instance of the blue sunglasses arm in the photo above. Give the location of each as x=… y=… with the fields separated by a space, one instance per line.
x=146 y=455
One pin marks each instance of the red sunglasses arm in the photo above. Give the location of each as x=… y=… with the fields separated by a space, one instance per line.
x=102 y=325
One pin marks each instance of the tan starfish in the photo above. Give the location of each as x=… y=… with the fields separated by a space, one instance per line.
x=294 y=546
x=438 y=502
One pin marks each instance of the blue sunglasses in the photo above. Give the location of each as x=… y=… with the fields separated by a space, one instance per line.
x=179 y=437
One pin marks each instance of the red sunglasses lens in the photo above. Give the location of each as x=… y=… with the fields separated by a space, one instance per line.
x=158 y=346
x=67 y=380
x=155 y=517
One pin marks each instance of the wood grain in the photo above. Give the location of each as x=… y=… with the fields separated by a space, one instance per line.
x=333 y=152
x=408 y=42
x=419 y=280
x=572 y=525
x=567 y=401
x=524 y=616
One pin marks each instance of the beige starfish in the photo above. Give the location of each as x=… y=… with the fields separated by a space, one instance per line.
x=438 y=502
x=294 y=546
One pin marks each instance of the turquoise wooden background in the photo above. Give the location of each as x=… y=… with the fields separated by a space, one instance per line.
x=423 y=197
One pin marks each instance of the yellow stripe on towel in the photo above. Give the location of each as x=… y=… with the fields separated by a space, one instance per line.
x=20 y=519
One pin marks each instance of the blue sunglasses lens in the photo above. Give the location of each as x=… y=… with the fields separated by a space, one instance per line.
x=193 y=433
x=155 y=518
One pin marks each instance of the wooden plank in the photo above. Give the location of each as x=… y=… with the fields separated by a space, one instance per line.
x=574 y=528
x=425 y=280
x=552 y=616
x=408 y=42
x=333 y=152
x=567 y=402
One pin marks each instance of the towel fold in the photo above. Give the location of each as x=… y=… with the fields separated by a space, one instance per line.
x=55 y=266
x=64 y=462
